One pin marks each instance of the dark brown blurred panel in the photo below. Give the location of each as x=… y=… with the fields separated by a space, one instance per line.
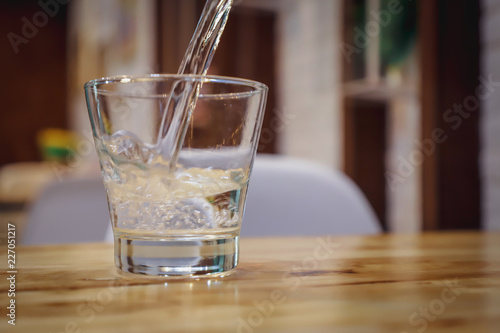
x=365 y=144
x=364 y=120
x=449 y=39
x=246 y=50
x=176 y=24
x=430 y=120
x=33 y=85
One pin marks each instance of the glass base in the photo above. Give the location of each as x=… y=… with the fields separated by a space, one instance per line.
x=177 y=256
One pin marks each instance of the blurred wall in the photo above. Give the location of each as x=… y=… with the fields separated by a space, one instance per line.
x=105 y=38
x=309 y=33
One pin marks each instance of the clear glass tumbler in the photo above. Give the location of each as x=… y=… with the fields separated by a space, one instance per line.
x=176 y=184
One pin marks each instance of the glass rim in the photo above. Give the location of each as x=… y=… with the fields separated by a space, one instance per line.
x=95 y=84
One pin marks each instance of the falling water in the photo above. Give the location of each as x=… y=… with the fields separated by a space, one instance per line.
x=196 y=60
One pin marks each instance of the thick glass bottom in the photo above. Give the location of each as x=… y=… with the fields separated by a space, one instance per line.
x=176 y=256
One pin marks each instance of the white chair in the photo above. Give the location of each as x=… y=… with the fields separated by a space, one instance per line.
x=293 y=197
x=70 y=211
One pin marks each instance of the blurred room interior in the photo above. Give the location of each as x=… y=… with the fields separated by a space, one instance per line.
x=398 y=95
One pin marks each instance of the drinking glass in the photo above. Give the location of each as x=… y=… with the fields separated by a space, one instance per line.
x=176 y=154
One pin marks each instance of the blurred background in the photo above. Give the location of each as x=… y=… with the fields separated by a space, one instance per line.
x=400 y=95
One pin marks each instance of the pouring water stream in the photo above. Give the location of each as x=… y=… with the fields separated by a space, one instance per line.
x=183 y=96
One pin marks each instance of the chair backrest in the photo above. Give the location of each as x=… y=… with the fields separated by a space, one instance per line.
x=73 y=210
x=293 y=197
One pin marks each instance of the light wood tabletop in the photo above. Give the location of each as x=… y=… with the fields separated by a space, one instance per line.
x=439 y=282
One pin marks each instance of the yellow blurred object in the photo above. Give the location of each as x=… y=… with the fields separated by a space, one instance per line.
x=56 y=144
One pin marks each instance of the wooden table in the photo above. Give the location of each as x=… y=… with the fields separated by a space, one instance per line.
x=441 y=282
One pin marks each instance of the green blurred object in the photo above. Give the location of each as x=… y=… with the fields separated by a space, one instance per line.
x=398 y=37
x=56 y=145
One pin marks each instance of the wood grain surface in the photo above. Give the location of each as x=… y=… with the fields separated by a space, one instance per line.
x=440 y=282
